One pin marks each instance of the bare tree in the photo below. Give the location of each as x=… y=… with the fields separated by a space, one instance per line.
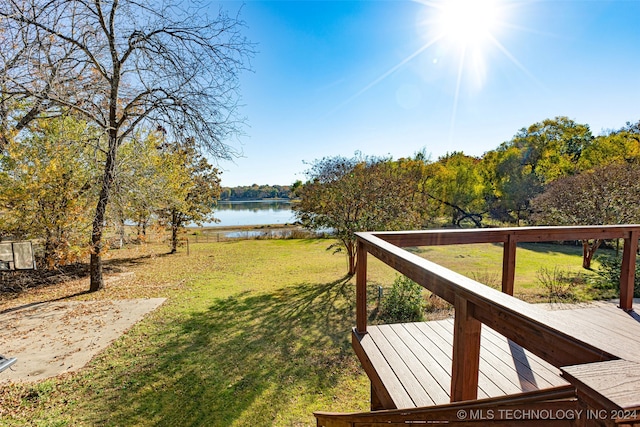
x=122 y=65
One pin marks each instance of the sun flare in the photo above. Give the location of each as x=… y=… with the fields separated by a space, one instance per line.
x=467 y=22
x=461 y=40
x=466 y=33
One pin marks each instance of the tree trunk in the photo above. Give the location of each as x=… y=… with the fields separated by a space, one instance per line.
x=49 y=250
x=141 y=228
x=121 y=233
x=588 y=251
x=95 y=268
x=351 y=254
x=174 y=232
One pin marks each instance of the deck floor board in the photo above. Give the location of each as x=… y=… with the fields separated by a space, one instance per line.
x=419 y=355
x=432 y=358
x=398 y=355
x=491 y=380
x=377 y=362
x=544 y=374
x=611 y=328
x=422 y=364
x=433 y=333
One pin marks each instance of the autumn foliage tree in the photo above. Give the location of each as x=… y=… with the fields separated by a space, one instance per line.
x=518 y=170
x=47 y=183
x=622 y=145
x=455 y=184
x=121 y=65
x=510 y=184
x=348 y=195
x=195 y=188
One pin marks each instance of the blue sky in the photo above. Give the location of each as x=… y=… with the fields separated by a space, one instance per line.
x=393 y=77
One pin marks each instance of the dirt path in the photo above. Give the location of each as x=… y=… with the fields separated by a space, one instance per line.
x=52 y=338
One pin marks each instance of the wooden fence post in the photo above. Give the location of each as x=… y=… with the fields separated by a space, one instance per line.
x=466 y=352
x=509 y=264
x=628 y=271
x=361 y=288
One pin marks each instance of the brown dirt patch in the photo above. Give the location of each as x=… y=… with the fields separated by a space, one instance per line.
x=55 y=337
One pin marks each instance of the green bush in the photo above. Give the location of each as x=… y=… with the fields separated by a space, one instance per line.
x=609 y=275
x=403 y=303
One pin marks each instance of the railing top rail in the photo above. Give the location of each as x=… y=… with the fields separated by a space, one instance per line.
x=533 y=328
x=496 y=235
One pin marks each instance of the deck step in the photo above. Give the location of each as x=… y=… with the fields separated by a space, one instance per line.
x=504 y=410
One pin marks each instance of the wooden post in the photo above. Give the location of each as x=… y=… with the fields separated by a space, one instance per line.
x=376 y=403
x=628 y=271
x=361 y=289
x=466 y=352
x=509 y=264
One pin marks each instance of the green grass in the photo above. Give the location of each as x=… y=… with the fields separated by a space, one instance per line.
x=254 y=333
x=485 y=261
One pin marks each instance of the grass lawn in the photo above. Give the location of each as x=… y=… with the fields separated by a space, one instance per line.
x=483 y=262
x=254 y=333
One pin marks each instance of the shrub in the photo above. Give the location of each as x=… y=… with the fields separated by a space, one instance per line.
x=437 y=308
x=489 y=278
x=609 y=275
x=403 y=303
x=560 y=285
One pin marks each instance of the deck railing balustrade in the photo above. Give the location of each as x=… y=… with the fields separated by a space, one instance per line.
x=475 y=304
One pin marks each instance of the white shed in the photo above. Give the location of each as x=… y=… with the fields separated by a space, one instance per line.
x=17 y=256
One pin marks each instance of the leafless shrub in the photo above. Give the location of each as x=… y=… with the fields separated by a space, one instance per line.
x=486 y=277
x=560 y=285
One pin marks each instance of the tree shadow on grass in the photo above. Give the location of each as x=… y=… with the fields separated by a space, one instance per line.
x=249 y=359
x=33 y=304
x=556 y=248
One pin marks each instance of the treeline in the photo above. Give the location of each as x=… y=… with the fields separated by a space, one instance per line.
x=257 y=192
x=554 y=172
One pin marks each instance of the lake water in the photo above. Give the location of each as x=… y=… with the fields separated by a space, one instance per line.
x=259 y=212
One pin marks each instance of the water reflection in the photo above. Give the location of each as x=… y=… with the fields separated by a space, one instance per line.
x=258 y=212
x=254 y=205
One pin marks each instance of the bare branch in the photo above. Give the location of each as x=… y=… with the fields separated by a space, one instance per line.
x=123 y=65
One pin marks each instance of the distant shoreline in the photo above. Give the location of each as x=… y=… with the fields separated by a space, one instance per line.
x=264 y=227
x=278 y=199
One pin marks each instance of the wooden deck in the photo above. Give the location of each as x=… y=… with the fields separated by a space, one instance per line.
x=410 y=363
x=497 y=352
x=608 y=327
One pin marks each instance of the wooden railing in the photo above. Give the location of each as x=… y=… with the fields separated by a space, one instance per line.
x=475 y=304
x=492 y=411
